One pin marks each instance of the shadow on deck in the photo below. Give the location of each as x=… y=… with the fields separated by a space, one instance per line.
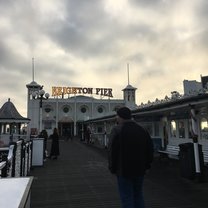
x=80 y=179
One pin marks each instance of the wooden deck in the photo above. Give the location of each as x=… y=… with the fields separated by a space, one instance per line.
x=80 y=179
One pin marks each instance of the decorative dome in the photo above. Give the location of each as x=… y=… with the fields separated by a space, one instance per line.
x=33 y=84
x=9 y=112
x=129 y=87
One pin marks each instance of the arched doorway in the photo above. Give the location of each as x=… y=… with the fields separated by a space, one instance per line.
x=66 y=128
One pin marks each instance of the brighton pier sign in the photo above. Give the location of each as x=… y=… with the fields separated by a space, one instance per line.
x=61 y=91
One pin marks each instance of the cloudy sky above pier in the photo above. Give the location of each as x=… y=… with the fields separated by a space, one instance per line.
x=88 y=43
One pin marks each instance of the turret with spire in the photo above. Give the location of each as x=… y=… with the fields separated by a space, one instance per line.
x=129 y=93
x=33 y=86
x=32 y=104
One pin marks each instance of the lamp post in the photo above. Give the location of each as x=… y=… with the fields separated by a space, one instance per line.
x=40 y=95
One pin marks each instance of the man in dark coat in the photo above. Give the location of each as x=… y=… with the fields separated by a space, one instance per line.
x=54 y=145
x=130 y=155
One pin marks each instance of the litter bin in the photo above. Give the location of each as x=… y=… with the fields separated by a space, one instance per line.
x=187 y=160
x=37 y=152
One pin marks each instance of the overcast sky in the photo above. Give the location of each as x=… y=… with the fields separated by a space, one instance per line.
x=88 y=43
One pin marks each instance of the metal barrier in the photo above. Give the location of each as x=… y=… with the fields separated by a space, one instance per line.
x=100 y=139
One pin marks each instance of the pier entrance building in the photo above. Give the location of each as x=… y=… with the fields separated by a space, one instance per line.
x=68 y=107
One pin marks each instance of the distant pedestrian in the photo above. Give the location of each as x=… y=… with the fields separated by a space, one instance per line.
x=88 y=135
x=130 y=155
x=1 y=143
x=55 y=144
x=71 y=138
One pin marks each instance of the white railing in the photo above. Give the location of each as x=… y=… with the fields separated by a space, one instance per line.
x=10 y=160
x=7 y=138
x=18 y=159
x=2 y=166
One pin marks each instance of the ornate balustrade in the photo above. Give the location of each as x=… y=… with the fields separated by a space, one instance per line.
x=16 y=159
x=10 y=160
x=2 y=167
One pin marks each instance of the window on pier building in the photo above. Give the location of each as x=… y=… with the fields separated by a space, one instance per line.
x=152 y=128
x=99 y=129
x=148 y=127
x=190 y=129
x=204 y=128
x=100 y=109
x=66 y=109
x=7 y=128
x=173 y=128
x=181 y=129
x=157 y=129
x=83 y=109
x=48 y=125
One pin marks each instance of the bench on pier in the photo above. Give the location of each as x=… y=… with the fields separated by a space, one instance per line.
x=205 y=154
x=170 y=152
x=2 y=164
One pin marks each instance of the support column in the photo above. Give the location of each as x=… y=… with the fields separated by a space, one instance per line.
x=195 y=142
x=75 y=116
x=105 y=135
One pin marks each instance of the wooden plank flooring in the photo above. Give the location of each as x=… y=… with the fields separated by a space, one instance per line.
x=80 y=179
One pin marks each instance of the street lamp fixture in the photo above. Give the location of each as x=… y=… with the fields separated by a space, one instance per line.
x=40 y=95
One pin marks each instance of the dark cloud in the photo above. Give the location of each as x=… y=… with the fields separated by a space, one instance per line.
x=5 y=53
x=84 y=44
x=53 y=70
x=150 y=3
x=204 y=39
x=11 y=61
x=153 y=72
x=202 y=11
x=201 y=16
x=85 y=31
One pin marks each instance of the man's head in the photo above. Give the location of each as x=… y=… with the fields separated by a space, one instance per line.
x=124 y=113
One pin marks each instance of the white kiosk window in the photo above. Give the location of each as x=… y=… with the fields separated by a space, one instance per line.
x=7 y=128
x=173 y=128
x=181 y=129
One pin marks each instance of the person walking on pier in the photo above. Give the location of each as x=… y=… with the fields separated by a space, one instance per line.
x=130 y=154
x=54 y=145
